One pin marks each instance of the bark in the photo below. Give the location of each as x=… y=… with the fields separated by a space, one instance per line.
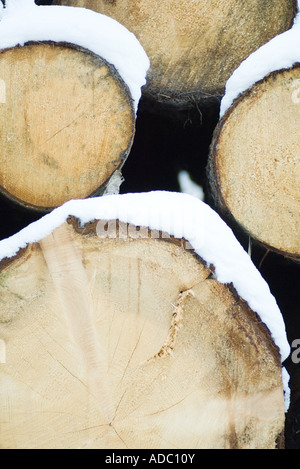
x=130 y=342
x=67 y=124
x=254 y=162
x=195 y=46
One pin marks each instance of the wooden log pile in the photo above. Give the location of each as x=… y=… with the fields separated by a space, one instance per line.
x=130 y=322
x=195 y=46
x=147 y=320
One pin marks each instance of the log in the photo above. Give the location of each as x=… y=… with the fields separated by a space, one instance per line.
x=70 y=101
x=195 y=46
x=254 y=162
x=67 y=124
x=121 y=336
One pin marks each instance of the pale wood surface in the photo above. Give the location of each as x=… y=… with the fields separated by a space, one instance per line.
x=66 y=125
x=130 y=343
x=194 y=46
x=255 y=162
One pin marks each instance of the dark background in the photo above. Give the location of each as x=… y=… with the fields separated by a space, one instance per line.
x=168 y=140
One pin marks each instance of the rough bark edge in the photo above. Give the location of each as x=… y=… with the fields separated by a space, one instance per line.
x=89 y=230
x=173 y=98
x=182 y=100
x=260 y=328
x=212 y=170
x=295 y=12
x=127 y=95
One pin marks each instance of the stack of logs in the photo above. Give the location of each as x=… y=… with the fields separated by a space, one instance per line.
x=193 y=48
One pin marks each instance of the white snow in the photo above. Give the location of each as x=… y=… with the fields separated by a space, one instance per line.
x=22 y=21
x=181 y=215
x=286 y=387
x=188 y=186
x=283 y=51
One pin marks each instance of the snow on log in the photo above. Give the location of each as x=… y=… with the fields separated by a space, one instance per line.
x=71 y=87
x=194 y=46
x=254 y=163
x=138 y=321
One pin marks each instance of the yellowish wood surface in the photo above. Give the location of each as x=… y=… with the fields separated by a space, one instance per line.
x=194 y=46
x=257 y=160
x=130 y=343
x=67 y=124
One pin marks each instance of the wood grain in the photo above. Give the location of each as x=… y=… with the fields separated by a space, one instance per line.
x=131 y=343
x=66 y=125
x=194 y=46
x=254 y=162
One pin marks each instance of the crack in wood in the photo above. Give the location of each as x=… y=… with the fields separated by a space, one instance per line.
x=176 y=324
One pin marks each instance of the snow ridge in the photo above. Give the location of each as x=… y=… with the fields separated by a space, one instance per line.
x=22 y=21
x=283 y=51
x=181 y=215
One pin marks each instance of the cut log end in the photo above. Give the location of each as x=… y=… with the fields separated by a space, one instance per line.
x=128 y=342
x=67 y=123
x=194 y=47
x=254 y=164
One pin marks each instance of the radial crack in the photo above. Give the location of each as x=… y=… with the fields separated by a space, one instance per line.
x=176 y=324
